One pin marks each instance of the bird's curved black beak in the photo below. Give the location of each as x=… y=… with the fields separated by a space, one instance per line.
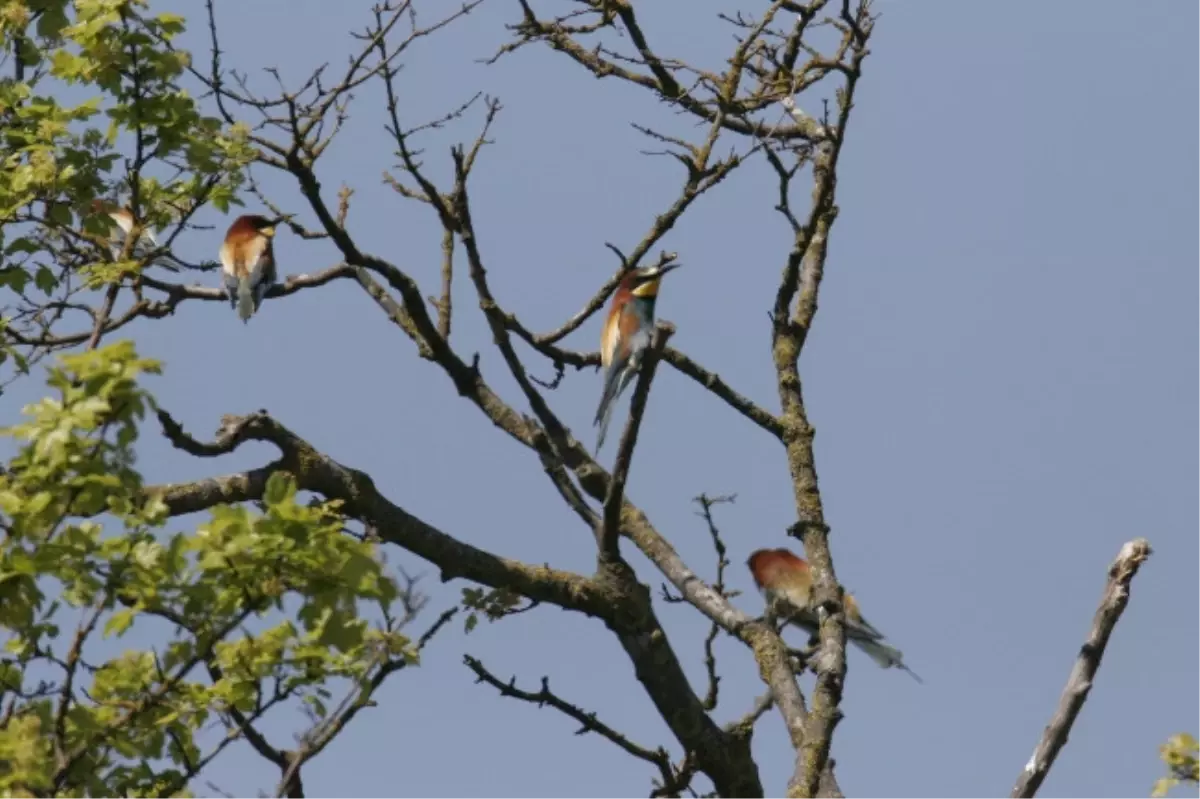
x=662 y=270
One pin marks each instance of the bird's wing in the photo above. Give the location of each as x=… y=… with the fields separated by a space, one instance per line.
x=265 y=275
x=856 y=630
x=269 y=267
x=634 y=332
x=859 y=630
x=609 y=338
x=242 y=257
x=229 y=272
x=854 y=615
x=886 y=656
x=148 y=242
x=252 y=257
x=801 y=617
x=864 y=626
x=228 y=262
x=612 y=383
x=230 y=282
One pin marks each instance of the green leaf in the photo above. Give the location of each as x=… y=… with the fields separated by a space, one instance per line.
x=119 y=622
x=280 y=488
x=60 y=214
x=16 y=278
x=52 y=21
x=45 y=280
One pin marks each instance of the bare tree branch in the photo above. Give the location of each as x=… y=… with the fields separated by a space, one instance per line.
x=588 y=721
x=315 y=471
x=706 y=504
x=765 y=73
x=176 y=293
x=624 y=605
x=1083 y=673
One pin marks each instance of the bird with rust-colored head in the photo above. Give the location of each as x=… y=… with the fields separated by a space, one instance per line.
x=248 y=262
x=146 y=242
x=785 y=581
x=626 y=335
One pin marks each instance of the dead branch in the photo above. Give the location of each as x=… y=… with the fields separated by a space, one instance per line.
x=588 y=721
x=1083 y=674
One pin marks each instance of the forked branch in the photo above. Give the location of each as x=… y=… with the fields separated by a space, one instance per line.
x=588 y=721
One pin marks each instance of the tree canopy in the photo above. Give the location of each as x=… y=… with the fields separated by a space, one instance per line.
x=279 y=593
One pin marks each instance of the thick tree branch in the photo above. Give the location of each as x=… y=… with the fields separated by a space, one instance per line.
x=1083 y=673
x=317 y=472
x=802 y=273
x=625 y=608
x=731 y=768
x=561 y=456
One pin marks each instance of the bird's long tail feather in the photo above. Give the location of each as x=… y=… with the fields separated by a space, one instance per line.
x=171 y=263
x=245 y=299
x=614 y=384
x=886 y=656
x=604 y=411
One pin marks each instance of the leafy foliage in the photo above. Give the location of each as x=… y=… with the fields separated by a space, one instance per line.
x=1179 y=754
x=127 y=632
x=127 y=723
x=129 y=128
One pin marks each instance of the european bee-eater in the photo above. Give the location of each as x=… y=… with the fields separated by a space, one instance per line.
x=786 y=579
x=626 y=335
x=248 y=262
x=146 y=242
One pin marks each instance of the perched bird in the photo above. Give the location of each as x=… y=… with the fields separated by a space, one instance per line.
x=785 y=579
x=626 y=335
x=146 y=242
x=248 y=262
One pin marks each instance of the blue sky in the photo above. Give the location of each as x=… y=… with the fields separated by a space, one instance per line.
x=1002 y=377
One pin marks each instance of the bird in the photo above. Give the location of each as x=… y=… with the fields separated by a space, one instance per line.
x=248 y=262
x=626 y=335
x=786 y=579
x=147 y=242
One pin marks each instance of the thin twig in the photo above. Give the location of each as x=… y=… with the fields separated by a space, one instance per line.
x=588 y=721
x=710 y=659
x=322 y=734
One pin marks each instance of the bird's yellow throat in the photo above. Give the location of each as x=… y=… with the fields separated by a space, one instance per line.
x=647 y=290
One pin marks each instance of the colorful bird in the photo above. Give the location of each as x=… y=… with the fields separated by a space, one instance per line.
x=147 y=242
x=626 y=335
x=248 y=262
x=785 y=579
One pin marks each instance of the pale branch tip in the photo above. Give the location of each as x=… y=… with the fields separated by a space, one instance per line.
x=1083 y=673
